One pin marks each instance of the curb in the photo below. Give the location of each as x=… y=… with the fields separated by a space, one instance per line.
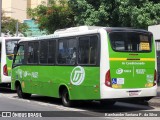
x=155 y=101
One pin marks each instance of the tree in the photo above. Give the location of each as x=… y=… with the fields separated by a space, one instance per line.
x=9 y=25
x=55 y=16
x=117 y=13
x=141 y=13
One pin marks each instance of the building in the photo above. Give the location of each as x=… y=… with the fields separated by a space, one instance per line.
x=33 y=28
x=155 y=29
x=35 y=3
x=17 y=9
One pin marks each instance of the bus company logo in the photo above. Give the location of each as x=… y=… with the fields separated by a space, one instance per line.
x=77 y=75
x=19 y=72
x=25 y=73
x=119 y=71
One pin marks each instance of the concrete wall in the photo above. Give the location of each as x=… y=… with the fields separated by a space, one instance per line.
x=17 y=9
x=35 y=3
x=155 y=29
x=6 y=7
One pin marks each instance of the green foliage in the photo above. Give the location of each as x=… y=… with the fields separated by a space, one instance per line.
x=9 y=25
x=92 y=13
x=55 y=16
x=116 y=13
x=141 y=13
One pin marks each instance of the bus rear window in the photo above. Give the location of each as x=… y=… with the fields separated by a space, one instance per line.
x=10 y=44
x=130 y=41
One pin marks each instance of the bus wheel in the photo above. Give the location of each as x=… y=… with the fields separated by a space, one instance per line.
x=107 y=103
x=65 y=98
x=21 y=94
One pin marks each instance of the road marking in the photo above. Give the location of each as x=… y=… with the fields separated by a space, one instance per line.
x=16 y=98
x=87 y=112
x=60 y=107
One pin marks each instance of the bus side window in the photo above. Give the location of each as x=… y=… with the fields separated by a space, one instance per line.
x=72 y=51
x=87 y=53
x=83 y=50
x=36 y=52
x=93 y=49
x=43 y=51
x=51 y=51
x=30 y=53
x=67 y=51
x=10 y=48
x=33 y=52
x=20 y=56
x=62 y=51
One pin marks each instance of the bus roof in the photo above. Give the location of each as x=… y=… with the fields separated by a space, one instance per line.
x=5 y=38
x=87 y=28
x=73 y=31
x=77 y=29
x=125 y=29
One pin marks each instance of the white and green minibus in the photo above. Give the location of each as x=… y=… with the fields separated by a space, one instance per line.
x=87 y=63
x=7 y=45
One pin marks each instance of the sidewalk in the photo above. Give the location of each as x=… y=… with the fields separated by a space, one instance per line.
x=156 y=100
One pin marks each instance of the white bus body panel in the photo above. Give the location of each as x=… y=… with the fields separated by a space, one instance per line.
x=109 y=93
x=5 y=79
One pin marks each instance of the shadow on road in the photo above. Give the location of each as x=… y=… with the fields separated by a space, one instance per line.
x=95 y=106
x=7 y=91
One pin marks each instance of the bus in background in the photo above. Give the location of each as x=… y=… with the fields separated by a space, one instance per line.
x=7 y=45
x=87 y=63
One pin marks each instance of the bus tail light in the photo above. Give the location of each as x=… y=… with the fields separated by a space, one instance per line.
x=108 y=79
x=5 y=71
x=155 y=77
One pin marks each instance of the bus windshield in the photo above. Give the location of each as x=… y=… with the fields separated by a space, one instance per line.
x=10 y=44
x=130 y=41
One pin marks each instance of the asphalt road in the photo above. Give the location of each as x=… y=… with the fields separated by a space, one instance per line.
x=10 y=102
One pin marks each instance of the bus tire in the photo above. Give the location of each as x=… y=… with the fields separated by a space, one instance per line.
x=65 y=98
x=21 y=94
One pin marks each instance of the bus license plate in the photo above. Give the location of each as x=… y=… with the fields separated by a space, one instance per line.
x=133 y=93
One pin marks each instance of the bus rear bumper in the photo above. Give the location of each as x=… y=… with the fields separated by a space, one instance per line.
x=6 y=79
x=111 y=93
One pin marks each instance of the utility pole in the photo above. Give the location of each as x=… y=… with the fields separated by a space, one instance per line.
x=0 y=16
x=17 y=27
